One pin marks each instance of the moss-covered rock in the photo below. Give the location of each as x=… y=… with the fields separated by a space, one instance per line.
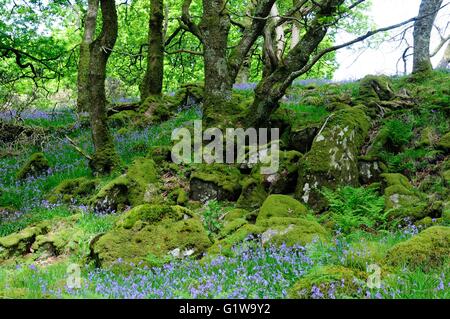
x=252 y=196
x=402 y=199
x=215 y=181
x=160 y=153
x=188 y=95
x=225 y=246
x=122 y=119
x=157 y=108
x=70 y=189
x=332 y=160
x=239 y=213
x=62 y=238
x=444 y=142
x=19 y=243
x=151 y=231
x=328 y=282
x=135 y=187
x=36 y=164
x=376 y=87
x=291 y=231
x=370 y=171
x=430 y=248
x=281 y=206
x=427 y=137
x=284 y=180
x=104 y=161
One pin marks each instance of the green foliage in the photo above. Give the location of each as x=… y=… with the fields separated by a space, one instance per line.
x=399 y=132
x=351 y=208
x=212 y=217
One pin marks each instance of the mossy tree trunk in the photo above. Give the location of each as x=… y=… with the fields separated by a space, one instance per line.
x=105 y=157
x=152 y=83
x=274 y=84
x=422 y=33
x=83 y=64
x=221 y=66
x=215 y=26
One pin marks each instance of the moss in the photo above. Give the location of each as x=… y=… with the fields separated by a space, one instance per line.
x=444 y=142
x=216 y=181
x=285 y=179
x=345 y=283
x=280 y=206
x=131 y=189
x=36 y=164
x=105 y=160
x=122 y=119
x=332 y=159
x=231 y=227
x=20 y=243
x=292 y=231
x=69 y=189
x=428 y=249
x=426 y=137
x=150 y=237
x=378 y=145
x=189 y=94
x=237 y=213
x=224 y=246
x=252 y=196
x=160 y=153
x=446 y=177
x=152 y=214
x=401 y=199
x=182 y=197
x=376 y=87
x=446 y=212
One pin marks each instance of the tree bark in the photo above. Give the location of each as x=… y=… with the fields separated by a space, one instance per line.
x=152 y=83
x=273 y=87
x=92 y=86
x=422 y=33
x=445 y=61
x=220 y=69
x=215 y=26
x=83 y=64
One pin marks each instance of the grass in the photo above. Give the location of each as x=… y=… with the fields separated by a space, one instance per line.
x=255 y=271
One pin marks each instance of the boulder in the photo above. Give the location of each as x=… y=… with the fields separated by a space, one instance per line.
x=215 y=181
x=327 y=282
x=253 y=194
x=136 y=187
x=72 y=189
x=281 y=206
x=428 y=249
x=370 y=171
x=333 y=158
x=19 y=243
x=402 y=199
x=376 y=87
x=36 y=165
x=151 y=234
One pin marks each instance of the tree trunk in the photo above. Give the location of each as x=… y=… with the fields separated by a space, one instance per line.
x=215 y=27
x=273 y=87
x=445 y=61
x=83 y=64
x=105 y=157
x=422 y=33
x=153 y=79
